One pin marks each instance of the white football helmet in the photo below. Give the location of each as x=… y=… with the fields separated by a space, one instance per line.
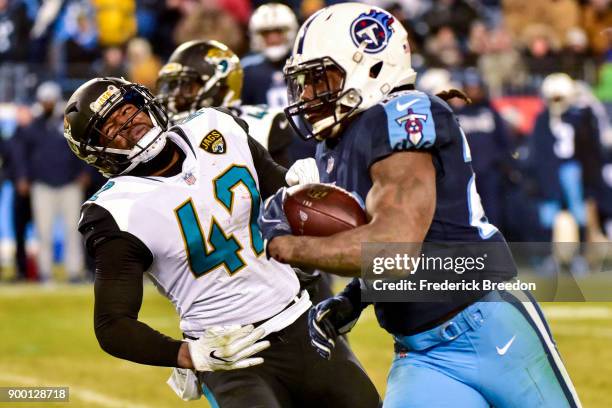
x=363 y=45
x=436 y=80
x=559 y=91
x=269 y=17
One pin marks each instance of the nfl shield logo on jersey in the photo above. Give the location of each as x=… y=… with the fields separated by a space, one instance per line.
x=374 y=28
x=189 y=178
x=213 y=142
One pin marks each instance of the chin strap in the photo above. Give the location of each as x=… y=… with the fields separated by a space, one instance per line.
x=148 y=147
x=333 y=122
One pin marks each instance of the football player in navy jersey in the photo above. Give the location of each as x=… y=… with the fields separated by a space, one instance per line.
x=565 y=155
x=272 y=29
x=604 y=202
x=405 y=154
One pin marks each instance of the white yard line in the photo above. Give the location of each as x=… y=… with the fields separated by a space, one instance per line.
x=582 y=331
x=78 y=392
x=577 y=312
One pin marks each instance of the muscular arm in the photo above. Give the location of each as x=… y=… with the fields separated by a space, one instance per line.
x=400 y=207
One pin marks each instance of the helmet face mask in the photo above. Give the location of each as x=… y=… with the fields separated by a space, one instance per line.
x=179 y=93
x=316 y=91
x=89 y=109
x=200 y=74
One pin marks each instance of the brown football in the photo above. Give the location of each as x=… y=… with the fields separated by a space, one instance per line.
x=321 y=210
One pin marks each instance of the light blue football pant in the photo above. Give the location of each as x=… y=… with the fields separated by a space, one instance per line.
x=495 y=353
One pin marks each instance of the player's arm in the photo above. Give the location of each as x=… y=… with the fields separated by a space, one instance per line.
x=271 y=175
x=280 y=138
x=118 y=297
x=121 y=259
x=400 y=207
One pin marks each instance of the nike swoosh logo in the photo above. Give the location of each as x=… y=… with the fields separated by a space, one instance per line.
x=212 y=355
x=402 y=107
x=503 y=350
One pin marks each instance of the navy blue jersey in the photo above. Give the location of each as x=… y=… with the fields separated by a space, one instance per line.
x=264 y=82
x=408 y=121
x=573 y=136
x=604 y=197
x=486 y=134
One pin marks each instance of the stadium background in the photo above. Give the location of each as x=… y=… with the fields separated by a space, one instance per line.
x=509 y=46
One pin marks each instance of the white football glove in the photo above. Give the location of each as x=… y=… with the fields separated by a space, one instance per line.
x=227 y=348
x=303 y=171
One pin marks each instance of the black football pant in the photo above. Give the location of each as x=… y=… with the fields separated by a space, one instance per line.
x=294 y=375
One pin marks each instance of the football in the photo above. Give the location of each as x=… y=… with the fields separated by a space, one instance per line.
x=322 y=210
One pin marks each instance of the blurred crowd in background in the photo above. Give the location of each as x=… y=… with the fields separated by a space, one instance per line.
x=540 y=142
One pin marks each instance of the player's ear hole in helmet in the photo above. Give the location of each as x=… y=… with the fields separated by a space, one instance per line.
x=200 y=74
x=93 y=104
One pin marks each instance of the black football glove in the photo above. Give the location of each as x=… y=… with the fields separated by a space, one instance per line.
x=272 y=219
x=329 y=319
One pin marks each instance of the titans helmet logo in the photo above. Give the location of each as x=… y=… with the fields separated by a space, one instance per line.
x=373 y=28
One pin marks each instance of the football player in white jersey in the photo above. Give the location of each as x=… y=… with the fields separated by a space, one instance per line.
x=181 y=206
x=204 y=73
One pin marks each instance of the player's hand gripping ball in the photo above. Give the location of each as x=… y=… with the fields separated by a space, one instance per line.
x=309 y=209
x=322 y=210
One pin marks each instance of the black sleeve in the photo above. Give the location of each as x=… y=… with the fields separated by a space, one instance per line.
x=120 y=260
x=280 y=138
x=271 y=174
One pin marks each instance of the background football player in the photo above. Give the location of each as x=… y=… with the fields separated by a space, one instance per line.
x=565 y=154
x=201 y=74
x=182 y=206
x=272 y=30
x=404 y=152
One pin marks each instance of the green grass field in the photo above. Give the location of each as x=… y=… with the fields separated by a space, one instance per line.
x=47 y=339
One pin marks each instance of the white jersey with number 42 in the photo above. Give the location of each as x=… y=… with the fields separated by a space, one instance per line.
x=201 y=227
